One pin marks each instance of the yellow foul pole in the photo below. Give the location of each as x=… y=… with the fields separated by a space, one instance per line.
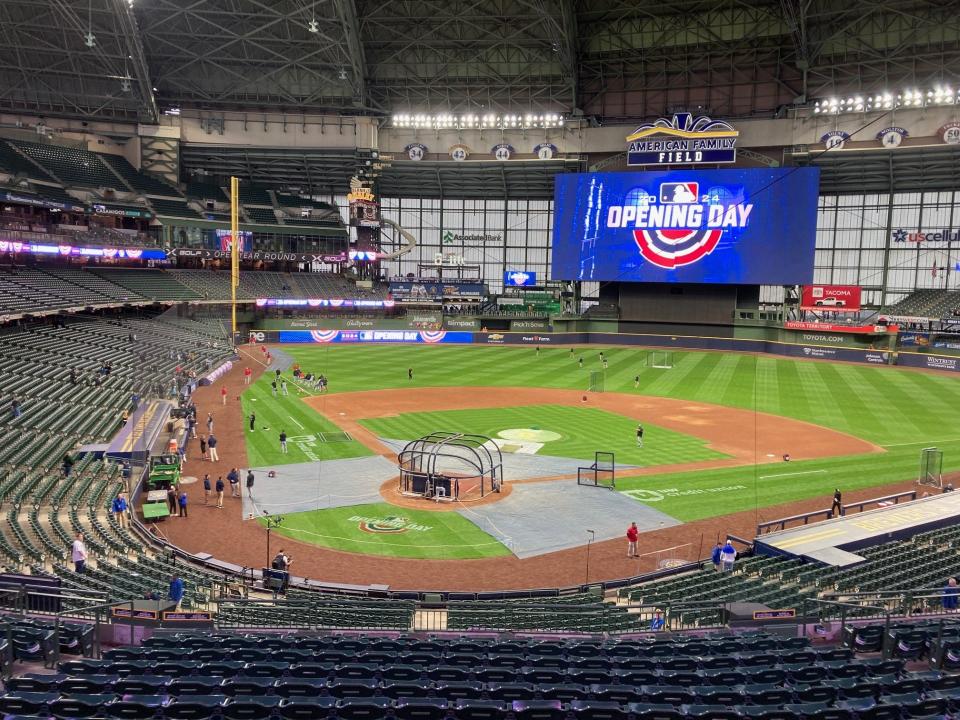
x=234 y=248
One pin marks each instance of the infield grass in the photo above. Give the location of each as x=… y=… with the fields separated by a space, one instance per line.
x=382 y=529
x=582 y=430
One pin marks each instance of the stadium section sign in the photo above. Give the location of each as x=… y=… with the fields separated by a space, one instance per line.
x=693 y=226
x=682 y=140
x=838 y=298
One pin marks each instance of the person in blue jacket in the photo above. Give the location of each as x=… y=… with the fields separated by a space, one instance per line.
x=119 y=509
x=176 y=590
x=950 y=592
x=715 y=556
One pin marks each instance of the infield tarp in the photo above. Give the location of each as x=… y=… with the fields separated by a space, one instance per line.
x=317 y=485
x=543 y=517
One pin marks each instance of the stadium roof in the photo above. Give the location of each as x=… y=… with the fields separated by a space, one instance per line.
x=616 y=60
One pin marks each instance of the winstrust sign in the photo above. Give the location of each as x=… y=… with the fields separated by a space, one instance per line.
x=683 y=140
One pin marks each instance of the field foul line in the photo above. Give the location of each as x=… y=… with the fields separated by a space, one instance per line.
x=292 y=419
x=805 y=472
x=922 y=442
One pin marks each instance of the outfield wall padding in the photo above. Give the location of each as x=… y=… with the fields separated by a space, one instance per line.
x=679 y=342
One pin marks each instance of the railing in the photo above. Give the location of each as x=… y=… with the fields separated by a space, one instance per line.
x=843 y=610
x=818 y=515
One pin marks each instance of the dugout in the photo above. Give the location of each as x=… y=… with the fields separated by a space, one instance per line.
x=450 y=466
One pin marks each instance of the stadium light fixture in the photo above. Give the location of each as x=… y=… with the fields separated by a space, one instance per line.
x=937 y=96
x=470 y=121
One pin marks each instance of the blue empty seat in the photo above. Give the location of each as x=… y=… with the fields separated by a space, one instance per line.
x=250 y=708
x=26 y=703
x=141 y=684
x=353 y=688
x=711 y=712
x=401 y=672
x=223 y=668
x=311 y=670
x=668 y=695
x=35 y=682
x=135 y=707
x=80 y=705
x=597 y=710
x=622 y=694
x=405 y=689
x=510 y=691
x=299 y=708
x=470 y=709
x=766 y=712
x=463 y=690
x=424 y=708
x=655 y=711
x=716 y=695
x=300 y=687
x=248 y=686
x=564 y=692
x=88 y=684
x=538 y=710
x=198 y=685
x=193 y=707
x=363 y=708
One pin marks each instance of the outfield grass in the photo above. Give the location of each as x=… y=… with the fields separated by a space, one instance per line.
x=433 y=535
x=880 y=404
x=302 y=425
x=582 y=430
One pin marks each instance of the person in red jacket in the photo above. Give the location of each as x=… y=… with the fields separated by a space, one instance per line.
x=247 y=372
x=632 y=534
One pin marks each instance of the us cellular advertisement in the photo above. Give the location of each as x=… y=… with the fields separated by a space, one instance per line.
x=746 y=227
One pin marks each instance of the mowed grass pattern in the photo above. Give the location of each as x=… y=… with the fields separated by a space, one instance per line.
x=291 y=414
x=880 y=404
x=433 y=535
x=583 y=431
x=901 y=410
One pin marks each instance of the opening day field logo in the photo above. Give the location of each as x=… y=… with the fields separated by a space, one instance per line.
x=390 y=525
x=651 y=496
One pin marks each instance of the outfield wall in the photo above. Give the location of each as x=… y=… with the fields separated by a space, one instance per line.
x=679 y=342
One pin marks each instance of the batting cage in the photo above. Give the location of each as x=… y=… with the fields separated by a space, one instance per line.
x=603 y=472
x=450 y=466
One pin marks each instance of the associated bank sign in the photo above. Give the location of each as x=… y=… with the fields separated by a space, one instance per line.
x=683 y=140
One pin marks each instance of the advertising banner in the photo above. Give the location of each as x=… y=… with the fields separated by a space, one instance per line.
x=419 y=291
x=207 y=254
x=691 y=226
x=375 y=336
x=837 y=298
x=452 y=322
x=931 y=362
x=831 y=327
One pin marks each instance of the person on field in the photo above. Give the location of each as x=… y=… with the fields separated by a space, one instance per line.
x=219 y=488
x=580 y=362
x=206 y=488
x=636 y=381
x=632 y=534
x=283 y=441
x=409 y=373
x=223 y=395
x=283 y=386
x=639 y=435
x=836 y=510
x=182 y=501
x=247 y=374
x=253 y=421
x=212 y=448
x=250 y=479
x=234 y=478
x=203 y=447
x=273 y=387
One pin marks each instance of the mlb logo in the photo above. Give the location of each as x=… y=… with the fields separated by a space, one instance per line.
x=686 y=192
